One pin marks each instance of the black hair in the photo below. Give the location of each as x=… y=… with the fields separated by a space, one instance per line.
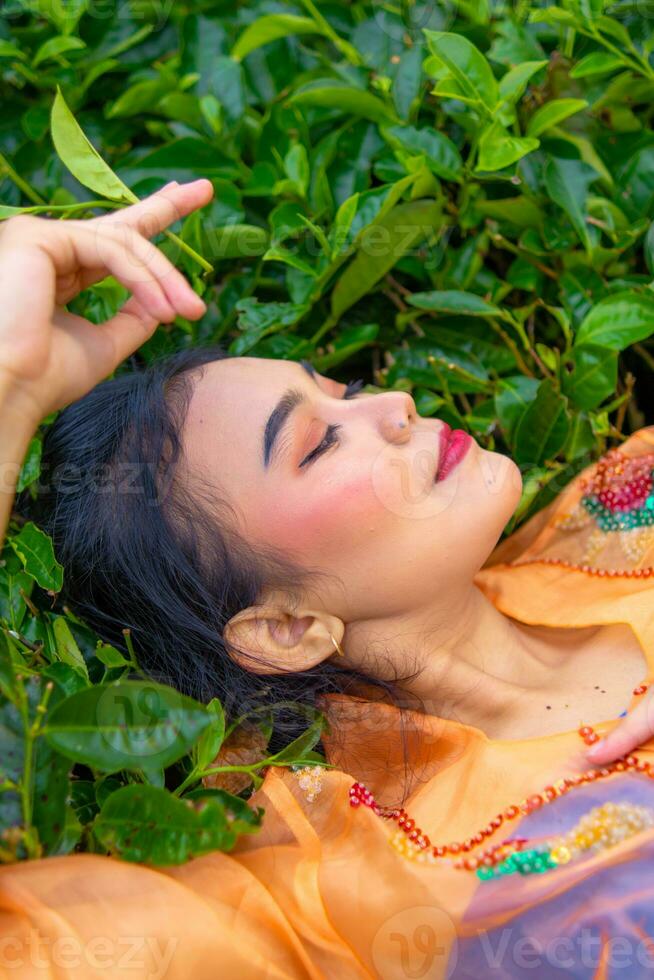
x=167 y=565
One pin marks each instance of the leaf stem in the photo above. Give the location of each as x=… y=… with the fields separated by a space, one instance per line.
x=208 y=268
x=347 y=50
x=6 y=168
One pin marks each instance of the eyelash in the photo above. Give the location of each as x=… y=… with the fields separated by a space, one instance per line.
x=329 y=438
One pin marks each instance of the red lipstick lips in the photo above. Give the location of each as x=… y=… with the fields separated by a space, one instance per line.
x=454 y=444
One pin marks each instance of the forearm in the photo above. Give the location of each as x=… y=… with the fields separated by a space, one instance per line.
x=17 y=426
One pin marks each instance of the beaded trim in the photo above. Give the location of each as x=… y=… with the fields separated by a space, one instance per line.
x=590 y=569
x=412 y=843
x=602 y=827
x=617 y=498
x=309 y=779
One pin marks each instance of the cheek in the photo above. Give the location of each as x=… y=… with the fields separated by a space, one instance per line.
x=325 y=517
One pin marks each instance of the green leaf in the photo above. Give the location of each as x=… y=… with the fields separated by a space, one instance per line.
x=67 y=648
x=109 y=656
x=597 y=63
x=498 y=149
x=581 y=438
x=296 y=750
x=31 y=467
x=454 y=301
x=329 y=93
x=514 y=83
x=520 y=211
x=618 y=320
x=374 y=205
x=512 y=398
x=552 y=113
x=212 y=738
x=467 y=66
x=139 y=98
x=543 y=427
x=228 y=85
x=381 y=246
x=34 y=548
x=567 y=183
x=258 y=320
x=589 y=374
x=553 y=15
x=233 y=241
x=148 y=825
x=269 y=28
x=15 y=584
x=280 y=254
x=126 y=725
x=296 y=165
x=80 y=156
x=56 y=46
x=8 y=50
x=342 y=224
x=441 y=155
x=406 y=84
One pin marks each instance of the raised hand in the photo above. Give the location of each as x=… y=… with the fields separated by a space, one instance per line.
x=50 y=357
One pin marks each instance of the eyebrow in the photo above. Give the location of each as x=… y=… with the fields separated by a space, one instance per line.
x=280 y=415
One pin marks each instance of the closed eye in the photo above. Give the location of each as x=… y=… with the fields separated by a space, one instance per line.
x=330 y=438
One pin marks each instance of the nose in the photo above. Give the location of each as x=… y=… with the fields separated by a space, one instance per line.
x=397 y=413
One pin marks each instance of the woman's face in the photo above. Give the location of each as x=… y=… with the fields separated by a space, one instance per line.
x=392 y=506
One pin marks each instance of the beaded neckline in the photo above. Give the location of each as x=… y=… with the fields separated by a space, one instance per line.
x=601 y=827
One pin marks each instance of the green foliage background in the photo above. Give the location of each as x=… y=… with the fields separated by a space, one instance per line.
x=454 y=199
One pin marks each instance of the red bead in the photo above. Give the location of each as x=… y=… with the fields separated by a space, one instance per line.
x=640 y=689
x=585 y=730
x=593 y=737
x=511 y=811
x=550 y=793
x=453 y=848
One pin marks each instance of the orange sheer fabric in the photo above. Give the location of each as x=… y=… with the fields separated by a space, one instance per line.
x=321 y=893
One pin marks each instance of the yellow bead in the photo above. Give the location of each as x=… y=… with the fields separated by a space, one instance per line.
x=560 y=855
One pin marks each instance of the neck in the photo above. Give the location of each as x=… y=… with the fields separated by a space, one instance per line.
x=472 y=664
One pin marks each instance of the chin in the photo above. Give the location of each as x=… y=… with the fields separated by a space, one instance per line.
x=501 y=479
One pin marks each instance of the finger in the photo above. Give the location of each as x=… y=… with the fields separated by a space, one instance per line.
x=151 y=261
x=81 y=245
x=155 y=213
x=635 y=729
x=46 y=249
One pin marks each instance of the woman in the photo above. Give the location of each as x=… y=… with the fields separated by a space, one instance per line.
x=306 y=530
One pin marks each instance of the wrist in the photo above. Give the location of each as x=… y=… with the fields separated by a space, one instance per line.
x=18 y=409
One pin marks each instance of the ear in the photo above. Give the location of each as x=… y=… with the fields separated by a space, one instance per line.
x=266 y=639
